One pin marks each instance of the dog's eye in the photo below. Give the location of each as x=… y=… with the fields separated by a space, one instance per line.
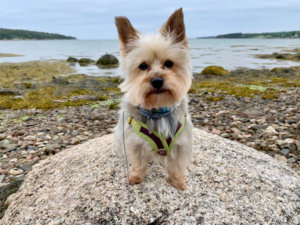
x=168 y=64
x=143 y=66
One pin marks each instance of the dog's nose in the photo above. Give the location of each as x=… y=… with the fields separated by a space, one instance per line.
x=157 y=82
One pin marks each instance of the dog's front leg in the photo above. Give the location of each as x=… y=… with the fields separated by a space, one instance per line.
x=138 y=166
x=177 y=164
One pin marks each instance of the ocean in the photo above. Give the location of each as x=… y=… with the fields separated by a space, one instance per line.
x=228 y=53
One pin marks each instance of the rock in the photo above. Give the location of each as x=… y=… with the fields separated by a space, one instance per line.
x=82 y=97
x=8 y=166
x=6 y=91
x=297 y=143
x=214 y=70
x=270 y=118
x=271 y=130
x=30 y=138
x=9 y=149
x=75 y=141
x=253 y=114
x=15 y=172
x=2 y=185
x=59 y=81
x=98 y=116
x=225 y=135
x=2 y=178
x=85 y=61
x=280 y=158
x=72 y=60
x=26 y=166
x=226 y=181
x=107 y=60
x=13 y=155
x=215 y=131
x=285 y=151
x=291 y=160
x=9 y=200
x=3 y=172
x=20 y=132
x=2 y=136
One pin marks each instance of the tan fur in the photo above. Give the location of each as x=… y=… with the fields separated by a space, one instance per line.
x=169 y=44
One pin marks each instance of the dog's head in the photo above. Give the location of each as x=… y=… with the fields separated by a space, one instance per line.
x=156 y=68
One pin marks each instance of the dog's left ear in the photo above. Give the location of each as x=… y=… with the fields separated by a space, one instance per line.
x=175 y=27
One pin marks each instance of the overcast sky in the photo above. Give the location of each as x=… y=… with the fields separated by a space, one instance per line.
x=94 y=19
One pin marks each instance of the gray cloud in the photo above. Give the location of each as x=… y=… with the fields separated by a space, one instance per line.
x=94 y=19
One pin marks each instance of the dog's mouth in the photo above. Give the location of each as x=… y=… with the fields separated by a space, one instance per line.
x=157 y=91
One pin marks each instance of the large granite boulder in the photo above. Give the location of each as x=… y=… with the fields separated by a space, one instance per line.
x=107 y=60
x=228 y=183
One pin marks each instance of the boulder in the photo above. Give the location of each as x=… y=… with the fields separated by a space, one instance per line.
x=107 y=60
x=72 y=60
x=228 y=183
x=85 y=61
x=214 y=70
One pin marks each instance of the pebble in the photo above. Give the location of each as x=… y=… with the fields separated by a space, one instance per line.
x=15 y=172
x=280 y=158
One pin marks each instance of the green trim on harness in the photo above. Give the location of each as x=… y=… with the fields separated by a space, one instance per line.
x=142 y=130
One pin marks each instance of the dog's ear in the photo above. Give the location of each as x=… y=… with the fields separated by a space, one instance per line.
x=126 y=32
x=174 y=27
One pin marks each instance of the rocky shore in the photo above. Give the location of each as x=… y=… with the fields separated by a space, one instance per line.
x=258 y=108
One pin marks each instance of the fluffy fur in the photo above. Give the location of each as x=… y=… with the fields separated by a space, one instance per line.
x=169 y=44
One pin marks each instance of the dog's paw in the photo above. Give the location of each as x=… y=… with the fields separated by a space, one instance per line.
x=134 y=179
x=177 y=183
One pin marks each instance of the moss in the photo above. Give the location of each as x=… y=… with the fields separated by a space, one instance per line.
x=117 y=80
x=238 y=90
x=270 y=93
x=114 y=90
x=114 y=105
x=79 y=92
x=193 y=91
x=77 y=103
x=103 y=98
x=28 y=85
x=214 y=70
x=215 y=98
x=38 y=71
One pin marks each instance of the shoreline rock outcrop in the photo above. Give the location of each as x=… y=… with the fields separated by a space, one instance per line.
x=227 y=183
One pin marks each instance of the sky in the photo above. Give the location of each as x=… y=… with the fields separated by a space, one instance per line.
x=94 y=19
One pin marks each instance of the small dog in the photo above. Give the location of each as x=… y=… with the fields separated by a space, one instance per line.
x=157 y=75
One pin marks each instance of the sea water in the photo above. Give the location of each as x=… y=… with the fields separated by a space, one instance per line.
x=228 y=53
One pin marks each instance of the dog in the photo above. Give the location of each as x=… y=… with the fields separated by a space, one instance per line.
x=157 y=75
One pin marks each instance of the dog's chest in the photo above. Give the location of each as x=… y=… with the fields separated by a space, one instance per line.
x=164 y=126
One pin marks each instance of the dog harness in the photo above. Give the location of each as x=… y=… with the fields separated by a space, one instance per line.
x=160 y=144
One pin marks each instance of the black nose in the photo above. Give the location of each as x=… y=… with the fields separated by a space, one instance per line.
x=157 y=82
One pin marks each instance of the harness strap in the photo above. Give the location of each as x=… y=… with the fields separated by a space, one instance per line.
x=160 y=144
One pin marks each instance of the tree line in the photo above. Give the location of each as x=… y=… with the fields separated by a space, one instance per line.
x=9 y=34
x=282 y=34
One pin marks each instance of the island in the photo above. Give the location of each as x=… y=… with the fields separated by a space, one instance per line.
x=282 y=34
x=10 y=34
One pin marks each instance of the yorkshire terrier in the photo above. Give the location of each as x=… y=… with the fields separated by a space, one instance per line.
x=157 y=75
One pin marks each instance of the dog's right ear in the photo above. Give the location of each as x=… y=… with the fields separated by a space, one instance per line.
x=126 y=32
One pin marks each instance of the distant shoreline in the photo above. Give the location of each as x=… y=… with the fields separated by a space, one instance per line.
x=246 y=38
x=39 y=40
